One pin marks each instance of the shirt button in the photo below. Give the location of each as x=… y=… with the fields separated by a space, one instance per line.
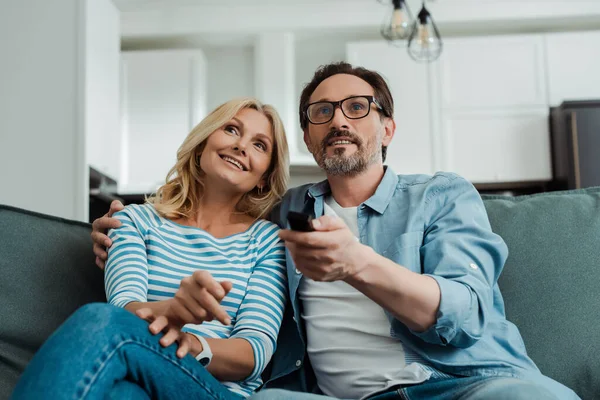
x=298 y=271
x=474 y=266
x=298 y=363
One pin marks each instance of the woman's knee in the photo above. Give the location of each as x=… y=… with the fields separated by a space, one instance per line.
x=95 y=318
x=97 y=312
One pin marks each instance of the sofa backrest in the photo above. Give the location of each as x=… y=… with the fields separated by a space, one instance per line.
x=549 y=283
x=46 y=272
x=551 y=279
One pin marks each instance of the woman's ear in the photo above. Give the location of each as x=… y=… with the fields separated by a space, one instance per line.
x=263 y=183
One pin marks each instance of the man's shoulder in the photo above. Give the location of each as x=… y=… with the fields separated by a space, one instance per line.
x=428 y=183
x=293 y=199
x=298 y=192
x=441 y=185
x=417 y=181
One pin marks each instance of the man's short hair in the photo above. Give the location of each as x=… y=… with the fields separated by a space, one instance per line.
x=377 y=82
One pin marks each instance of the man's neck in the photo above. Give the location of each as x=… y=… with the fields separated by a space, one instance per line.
x=351 y=191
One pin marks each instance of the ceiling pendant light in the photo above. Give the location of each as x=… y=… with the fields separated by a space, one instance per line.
x=425 y=43
x=399 y=23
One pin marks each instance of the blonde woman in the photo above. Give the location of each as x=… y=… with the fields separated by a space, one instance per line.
x=199 y=264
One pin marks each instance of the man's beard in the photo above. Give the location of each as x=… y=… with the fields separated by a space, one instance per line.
x=340 y=164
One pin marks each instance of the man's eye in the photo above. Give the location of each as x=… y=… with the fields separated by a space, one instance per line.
x=323 y=110
x=358 y=106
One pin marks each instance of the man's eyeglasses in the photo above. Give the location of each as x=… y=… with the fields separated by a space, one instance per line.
x=354 y=107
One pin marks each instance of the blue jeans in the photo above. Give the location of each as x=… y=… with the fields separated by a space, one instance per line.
x=105 y=352
x=475 y=388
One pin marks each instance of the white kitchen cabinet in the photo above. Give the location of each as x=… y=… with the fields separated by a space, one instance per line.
x=164 y=97
x=493 y=72
x=573 y=66
x=499 y=146
x=412 y=147
x=492 y=110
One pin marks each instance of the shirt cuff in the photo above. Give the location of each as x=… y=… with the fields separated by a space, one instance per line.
x=455 y=306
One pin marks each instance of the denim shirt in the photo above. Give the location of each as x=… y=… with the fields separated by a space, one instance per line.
x=436 y=226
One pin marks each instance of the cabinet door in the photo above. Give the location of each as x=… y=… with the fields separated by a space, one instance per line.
x=573 y=65
x=163 y=99
x=493 y=72
x=411 y=150
x=493 y=109
x=499 y=146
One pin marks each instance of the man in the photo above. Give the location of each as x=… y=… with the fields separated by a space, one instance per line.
x=394 y=295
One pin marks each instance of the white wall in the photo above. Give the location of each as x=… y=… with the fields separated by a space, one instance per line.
x=41 y=143
x=164 y=97
x=50 y=97
x=102 y=122
x=230 y=72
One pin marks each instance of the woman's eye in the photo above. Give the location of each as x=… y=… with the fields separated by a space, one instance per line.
x=261 y=146
x=231 y=129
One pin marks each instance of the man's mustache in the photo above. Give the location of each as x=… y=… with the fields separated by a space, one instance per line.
x=341 y=133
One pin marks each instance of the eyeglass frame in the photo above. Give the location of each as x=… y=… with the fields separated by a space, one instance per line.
x=336 y=104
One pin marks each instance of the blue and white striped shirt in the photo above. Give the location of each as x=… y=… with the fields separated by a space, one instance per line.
x=150 y=256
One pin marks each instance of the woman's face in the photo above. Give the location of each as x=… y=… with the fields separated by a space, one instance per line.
x=237 y=156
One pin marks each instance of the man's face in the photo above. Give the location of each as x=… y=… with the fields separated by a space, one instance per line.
x=345 y=146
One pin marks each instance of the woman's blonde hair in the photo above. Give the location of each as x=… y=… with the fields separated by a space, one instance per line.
x=184 y=186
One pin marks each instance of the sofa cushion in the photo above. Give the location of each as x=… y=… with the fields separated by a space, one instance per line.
x=551 y=278
x=47 y=271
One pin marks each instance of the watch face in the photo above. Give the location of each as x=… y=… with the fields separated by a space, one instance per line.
x=204 y=361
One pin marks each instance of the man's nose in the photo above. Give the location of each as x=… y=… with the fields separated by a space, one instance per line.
x=339 y=120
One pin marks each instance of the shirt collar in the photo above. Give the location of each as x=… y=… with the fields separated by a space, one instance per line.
x=378 y=202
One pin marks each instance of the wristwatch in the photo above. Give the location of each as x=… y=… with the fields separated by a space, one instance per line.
x=205 y=356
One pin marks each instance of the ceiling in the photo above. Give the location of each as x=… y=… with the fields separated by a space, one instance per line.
x=139 y=5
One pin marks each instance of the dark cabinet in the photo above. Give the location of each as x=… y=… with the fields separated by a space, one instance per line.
x=575 y=129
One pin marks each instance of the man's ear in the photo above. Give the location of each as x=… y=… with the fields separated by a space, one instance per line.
x=389 y=128
x=307 y=141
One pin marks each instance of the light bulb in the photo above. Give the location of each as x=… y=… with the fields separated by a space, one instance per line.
x=423 y=36
x=398 y=21
x=398 y=25
x=425 y=42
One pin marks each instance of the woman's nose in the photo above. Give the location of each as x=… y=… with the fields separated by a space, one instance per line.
x=240 y=147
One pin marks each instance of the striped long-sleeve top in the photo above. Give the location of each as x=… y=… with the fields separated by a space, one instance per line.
x=150 y=256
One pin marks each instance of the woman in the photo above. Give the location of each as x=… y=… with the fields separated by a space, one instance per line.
x=199 y=264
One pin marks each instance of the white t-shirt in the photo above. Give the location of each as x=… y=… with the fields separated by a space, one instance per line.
x=348 y=334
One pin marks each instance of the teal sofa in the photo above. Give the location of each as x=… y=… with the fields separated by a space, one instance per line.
x=550 y=282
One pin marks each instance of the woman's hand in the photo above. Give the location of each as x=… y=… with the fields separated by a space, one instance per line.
x=172 y=332
x=99 y=229
x=198 y=299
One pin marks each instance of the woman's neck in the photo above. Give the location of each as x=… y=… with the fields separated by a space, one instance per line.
x=217 y=214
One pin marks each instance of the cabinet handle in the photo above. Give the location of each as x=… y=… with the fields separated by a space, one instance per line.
x=575 y=149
